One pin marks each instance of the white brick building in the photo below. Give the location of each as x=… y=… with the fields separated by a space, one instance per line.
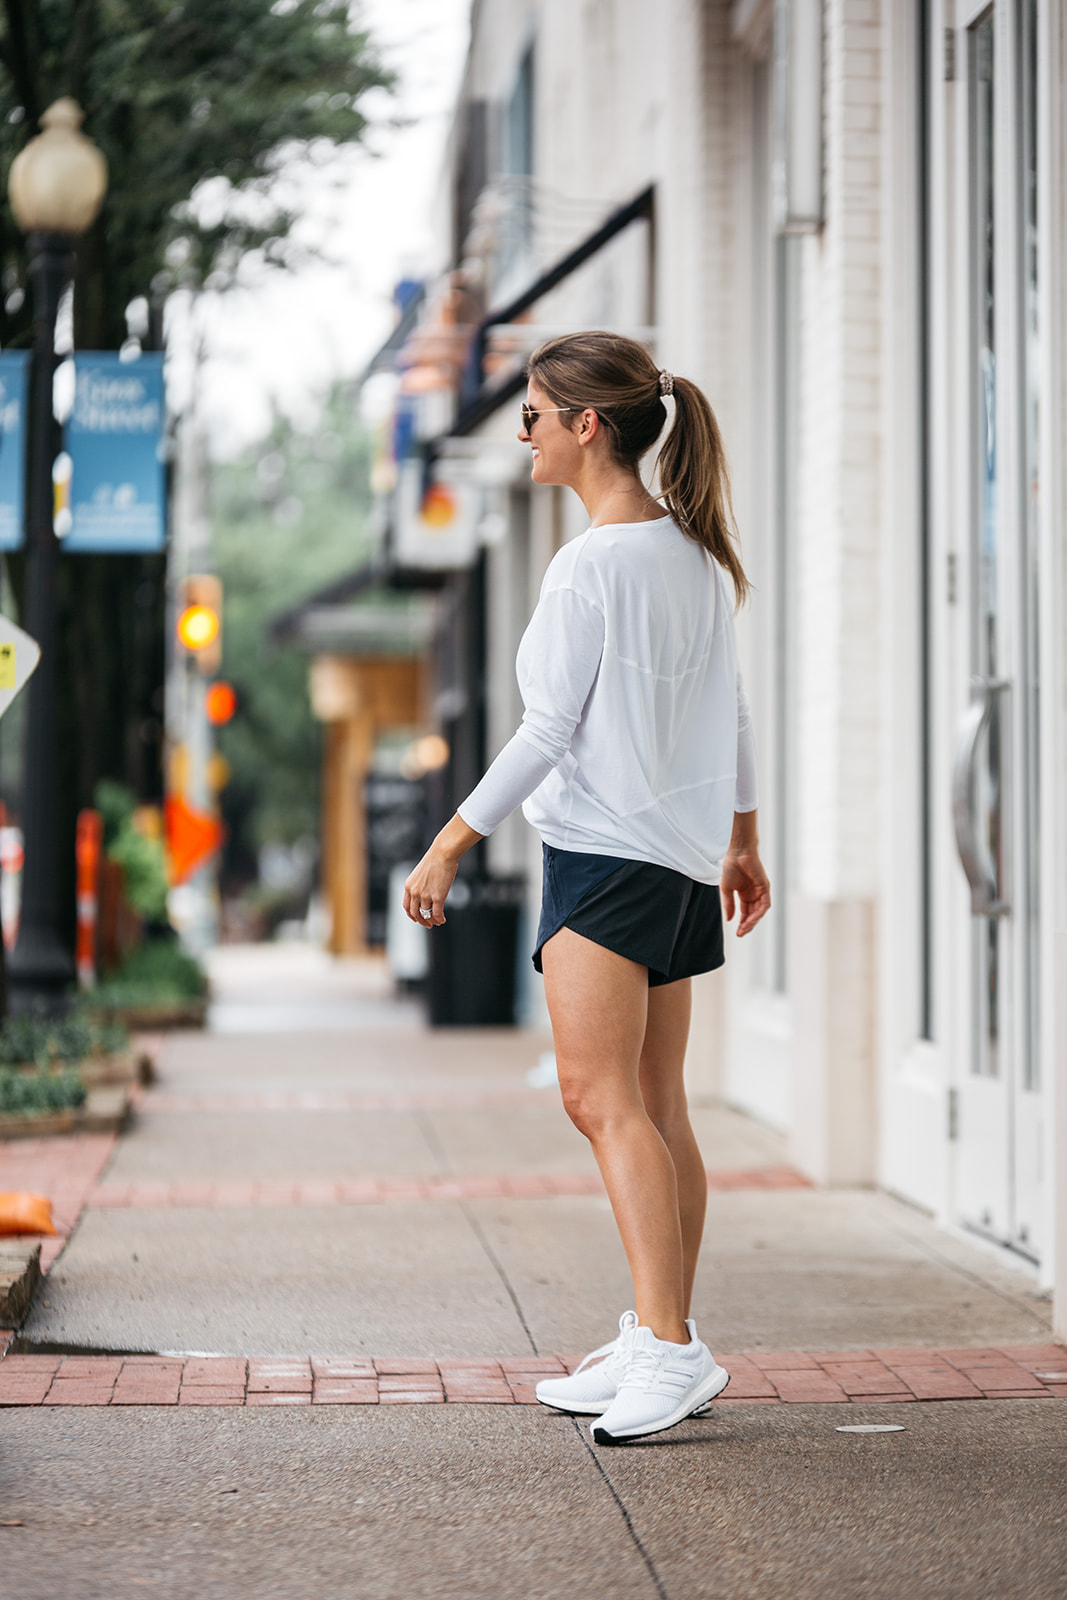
x=889 y=369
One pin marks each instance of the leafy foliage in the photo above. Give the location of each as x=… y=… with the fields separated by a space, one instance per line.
x=27 y=1093
x=46 y=1040
x=287 y=517
x=156 y=973
x=140 y=857
x=175 y=95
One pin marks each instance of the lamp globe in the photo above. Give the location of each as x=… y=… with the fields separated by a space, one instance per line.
x=58 y=181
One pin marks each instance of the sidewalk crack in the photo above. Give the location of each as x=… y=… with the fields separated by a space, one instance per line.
x=498 y=1266
x=661 y=1589
x=433 y=1143
x=440 y=1155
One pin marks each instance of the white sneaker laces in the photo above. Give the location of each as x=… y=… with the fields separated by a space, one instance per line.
x=646 y=1366
x=619 y=1347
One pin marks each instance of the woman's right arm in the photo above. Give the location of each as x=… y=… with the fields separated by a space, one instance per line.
x=513 y=776
x=561 y=650
x=560 y=655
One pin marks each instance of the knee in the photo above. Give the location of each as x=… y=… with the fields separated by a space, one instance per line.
x=590 y=1107
x=582 y=1107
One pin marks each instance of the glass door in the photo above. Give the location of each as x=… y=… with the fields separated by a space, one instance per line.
x=996 y=1103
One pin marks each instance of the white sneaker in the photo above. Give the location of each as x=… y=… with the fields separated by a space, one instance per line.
x=663 y=1384
x=590 y=1389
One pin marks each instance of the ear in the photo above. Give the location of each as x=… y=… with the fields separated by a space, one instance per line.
x=588 y=426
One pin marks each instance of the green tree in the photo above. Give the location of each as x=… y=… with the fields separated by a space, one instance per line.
x=175 y=94
x=290 y=514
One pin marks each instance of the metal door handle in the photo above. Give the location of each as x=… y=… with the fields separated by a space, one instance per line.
x=987 y=894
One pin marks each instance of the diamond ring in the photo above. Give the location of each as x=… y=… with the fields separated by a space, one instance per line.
x=428 y=915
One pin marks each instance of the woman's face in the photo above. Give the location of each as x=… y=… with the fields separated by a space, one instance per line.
x=556 y=449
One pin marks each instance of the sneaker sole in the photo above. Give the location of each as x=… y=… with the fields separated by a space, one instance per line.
x=713 y=1387
x=576 y=1408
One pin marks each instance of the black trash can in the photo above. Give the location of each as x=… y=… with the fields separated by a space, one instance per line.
x=473 y=957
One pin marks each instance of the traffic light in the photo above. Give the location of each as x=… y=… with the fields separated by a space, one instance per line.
x=200 y=621
x=220 y=703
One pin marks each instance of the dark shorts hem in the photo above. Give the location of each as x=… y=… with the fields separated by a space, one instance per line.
x=656 y=980
x=648 y=914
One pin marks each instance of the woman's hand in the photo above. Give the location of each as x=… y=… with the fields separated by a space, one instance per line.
x=426 y=888
x=744 y=875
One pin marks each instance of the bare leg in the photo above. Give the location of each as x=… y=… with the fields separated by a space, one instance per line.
x=599 y=1005
x=663 y=1091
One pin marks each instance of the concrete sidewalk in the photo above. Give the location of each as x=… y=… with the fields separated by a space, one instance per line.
x=380 y=1191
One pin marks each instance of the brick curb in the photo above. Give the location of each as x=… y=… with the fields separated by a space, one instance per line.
x=757 y=1378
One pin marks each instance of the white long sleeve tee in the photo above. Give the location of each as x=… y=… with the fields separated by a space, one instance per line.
x=636 y=740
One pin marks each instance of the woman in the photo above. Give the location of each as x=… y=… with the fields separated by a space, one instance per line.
x=636 y=763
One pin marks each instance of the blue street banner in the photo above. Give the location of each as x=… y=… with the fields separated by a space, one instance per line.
x=14 y=378
x=110 y=482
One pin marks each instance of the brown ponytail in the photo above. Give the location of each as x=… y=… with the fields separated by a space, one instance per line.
x=695 y=485
x=619 y=380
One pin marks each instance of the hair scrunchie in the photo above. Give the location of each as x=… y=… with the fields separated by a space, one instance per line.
x=666 y=382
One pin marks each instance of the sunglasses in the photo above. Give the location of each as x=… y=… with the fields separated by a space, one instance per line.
x=530 y=416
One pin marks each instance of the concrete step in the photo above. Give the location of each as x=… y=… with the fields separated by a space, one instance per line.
x=106 y=1109
x=20 y=1273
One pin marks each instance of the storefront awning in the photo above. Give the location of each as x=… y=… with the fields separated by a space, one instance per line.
x=478 y=400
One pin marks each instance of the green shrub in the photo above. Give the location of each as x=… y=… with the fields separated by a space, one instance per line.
x=145 y=872
x=24 y=1093
x=45 y=1040
x=158 y=973
x=141 y=859
x=115 y=804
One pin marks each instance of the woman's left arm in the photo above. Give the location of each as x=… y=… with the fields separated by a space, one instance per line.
x=744 y=879
x=744 y=875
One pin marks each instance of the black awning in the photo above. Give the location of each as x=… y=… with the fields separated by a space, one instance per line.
x=478 y=401
x=378 y=572
x=383 y=359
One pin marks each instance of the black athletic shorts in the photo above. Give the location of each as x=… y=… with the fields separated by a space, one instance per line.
x=649 y=914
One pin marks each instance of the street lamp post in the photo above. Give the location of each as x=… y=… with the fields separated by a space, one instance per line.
x=56 y=187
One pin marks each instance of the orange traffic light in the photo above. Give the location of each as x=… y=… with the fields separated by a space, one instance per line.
x=200 y=621
x=220 y=702
x=198 y=626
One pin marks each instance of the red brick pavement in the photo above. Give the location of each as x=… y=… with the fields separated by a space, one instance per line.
x=380 y=1191
x=64 y=1169
x=796 y=1377
x=68 y=1171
